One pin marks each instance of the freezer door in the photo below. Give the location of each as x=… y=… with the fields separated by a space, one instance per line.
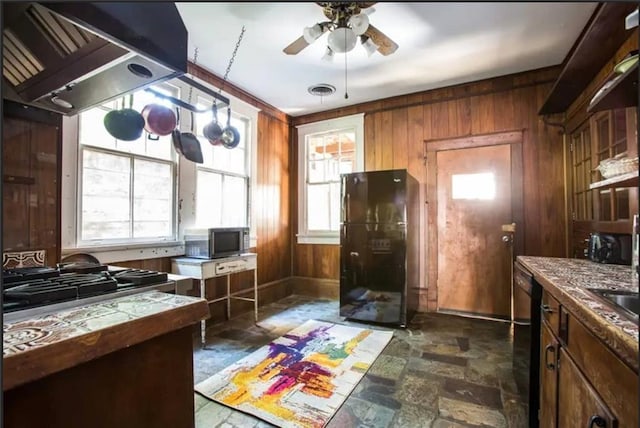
x=373 y=273
x=374 y=197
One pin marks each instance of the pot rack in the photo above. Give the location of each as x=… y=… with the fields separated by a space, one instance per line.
x=223 y=101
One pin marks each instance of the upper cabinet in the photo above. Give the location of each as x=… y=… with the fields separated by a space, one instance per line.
x=603 y=35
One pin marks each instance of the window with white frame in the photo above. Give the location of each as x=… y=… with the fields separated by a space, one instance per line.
x=222 y=180
x=326 y=150
x=126 y=188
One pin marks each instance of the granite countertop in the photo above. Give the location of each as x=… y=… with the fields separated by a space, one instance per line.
x=568 y=279
x=45 y=344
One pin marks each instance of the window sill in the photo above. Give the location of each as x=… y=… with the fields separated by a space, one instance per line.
x=319 y=240
x=126 y=252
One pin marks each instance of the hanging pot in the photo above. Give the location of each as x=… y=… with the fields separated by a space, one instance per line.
x=125 y=124
x=212 y=131
x=230 y=136
x=190 y=145
x=159 y=120
x=175 y=136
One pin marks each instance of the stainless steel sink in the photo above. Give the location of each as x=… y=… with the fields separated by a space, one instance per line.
x=627 y=301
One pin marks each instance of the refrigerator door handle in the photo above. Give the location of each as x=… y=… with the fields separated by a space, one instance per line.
x=347 y=208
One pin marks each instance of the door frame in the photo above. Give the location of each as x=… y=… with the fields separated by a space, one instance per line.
x=515 y=138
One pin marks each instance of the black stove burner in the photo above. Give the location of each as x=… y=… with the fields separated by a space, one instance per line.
x=138 y=277
x=28 y=273
x=29 y=287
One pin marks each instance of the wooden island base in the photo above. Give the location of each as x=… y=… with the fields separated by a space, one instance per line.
x=125 y=362
x=146 y=385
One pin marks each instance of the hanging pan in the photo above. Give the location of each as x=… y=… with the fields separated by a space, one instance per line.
x=230 y=136
x=125 y=124
x=175 y=135
x=212 y=130
x=189 y=144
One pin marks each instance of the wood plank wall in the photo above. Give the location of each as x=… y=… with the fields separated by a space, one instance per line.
x=271 y=197
x=395 y=129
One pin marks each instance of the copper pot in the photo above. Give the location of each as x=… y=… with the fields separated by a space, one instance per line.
x=159 y=120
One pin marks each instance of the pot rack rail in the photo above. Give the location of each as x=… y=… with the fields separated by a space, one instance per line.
x=224 y=101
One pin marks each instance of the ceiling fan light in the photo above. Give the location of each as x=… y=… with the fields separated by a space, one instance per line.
x=328 y=55
x=342 y=40
x=368 y=45
x=359 y=23
x=310 y=34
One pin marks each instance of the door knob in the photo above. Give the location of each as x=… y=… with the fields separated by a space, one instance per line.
x=506 y=238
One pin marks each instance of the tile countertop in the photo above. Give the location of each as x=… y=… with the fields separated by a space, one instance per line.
x=567 y=280
x=45 y=344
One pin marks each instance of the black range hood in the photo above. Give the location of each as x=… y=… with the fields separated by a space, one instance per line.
x=71 y=56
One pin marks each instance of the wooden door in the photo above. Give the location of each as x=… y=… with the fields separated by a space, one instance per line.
x=473 y=202
x=579 y=405
x=548 y=378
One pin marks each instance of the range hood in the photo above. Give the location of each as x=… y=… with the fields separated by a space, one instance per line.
x=70 y=56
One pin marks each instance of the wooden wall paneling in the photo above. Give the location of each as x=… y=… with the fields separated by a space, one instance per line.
x=440 y=120
x=377 y=141
x=369 y=142
x=260 y=199
x=400 y=142
x=551 y=162
x=503 y=116
x=16 y=160
x=531 y=172
x=386 y=140
x=463 y=116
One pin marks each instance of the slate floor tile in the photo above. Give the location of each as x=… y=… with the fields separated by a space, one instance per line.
x=444 y=371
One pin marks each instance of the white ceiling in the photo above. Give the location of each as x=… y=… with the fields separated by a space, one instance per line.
x=440 y=44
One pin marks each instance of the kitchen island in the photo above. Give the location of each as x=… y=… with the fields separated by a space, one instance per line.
x=125 y=362
x=588 y=346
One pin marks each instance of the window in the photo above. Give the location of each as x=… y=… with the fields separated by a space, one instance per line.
x=222 y=181
x=582 y=173
x=127 y=188
x=326 y=150
x=480 y=186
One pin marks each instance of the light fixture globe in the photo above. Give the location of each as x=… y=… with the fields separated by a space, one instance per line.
x=359 y=23
x=342 y=40
x=310 y=34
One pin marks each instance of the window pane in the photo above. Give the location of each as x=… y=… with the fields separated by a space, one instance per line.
x=315 y=172
x=473 y=186
x=105 y=196
x=153 y=199
x=234 y=201
x=318 y=208
x=208 y=199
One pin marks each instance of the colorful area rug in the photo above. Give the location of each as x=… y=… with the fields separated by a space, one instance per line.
x=300 y=379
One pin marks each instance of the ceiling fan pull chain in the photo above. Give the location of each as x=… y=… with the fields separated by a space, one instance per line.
x=233 y=57
x=346 y=94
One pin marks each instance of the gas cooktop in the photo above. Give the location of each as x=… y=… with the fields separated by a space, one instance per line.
x=35 y=287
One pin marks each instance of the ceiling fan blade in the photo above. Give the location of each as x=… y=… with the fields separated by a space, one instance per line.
x=386 y=46
x=295 y=47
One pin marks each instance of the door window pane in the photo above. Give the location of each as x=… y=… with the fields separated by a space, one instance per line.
x=480 y=186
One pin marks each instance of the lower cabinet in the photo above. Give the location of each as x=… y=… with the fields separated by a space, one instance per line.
x=548 y=378
x=583 y=384
x=579 y=404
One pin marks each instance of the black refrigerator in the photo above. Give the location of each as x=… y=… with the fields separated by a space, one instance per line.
x=379 y=253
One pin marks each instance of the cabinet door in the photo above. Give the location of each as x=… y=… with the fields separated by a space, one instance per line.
x=548 y=378
x=578 y=402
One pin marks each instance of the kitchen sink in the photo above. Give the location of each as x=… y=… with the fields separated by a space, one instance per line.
x=628 y=301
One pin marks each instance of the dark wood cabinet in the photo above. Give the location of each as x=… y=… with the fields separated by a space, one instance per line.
x=31 y=140
x=548 y=377
x=582 y=382
x=599 y=204
x=579 y=404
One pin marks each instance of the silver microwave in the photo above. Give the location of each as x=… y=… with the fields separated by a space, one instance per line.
x=216 y=242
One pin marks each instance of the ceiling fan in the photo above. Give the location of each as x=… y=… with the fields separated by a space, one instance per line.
x=347 y=21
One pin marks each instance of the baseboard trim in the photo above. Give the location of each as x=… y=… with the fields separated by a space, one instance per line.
x=315 y=287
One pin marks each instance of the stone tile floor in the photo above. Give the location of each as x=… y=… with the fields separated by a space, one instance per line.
x=443 y=371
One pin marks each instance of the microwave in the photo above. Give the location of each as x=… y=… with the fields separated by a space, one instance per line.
x=217 y=242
